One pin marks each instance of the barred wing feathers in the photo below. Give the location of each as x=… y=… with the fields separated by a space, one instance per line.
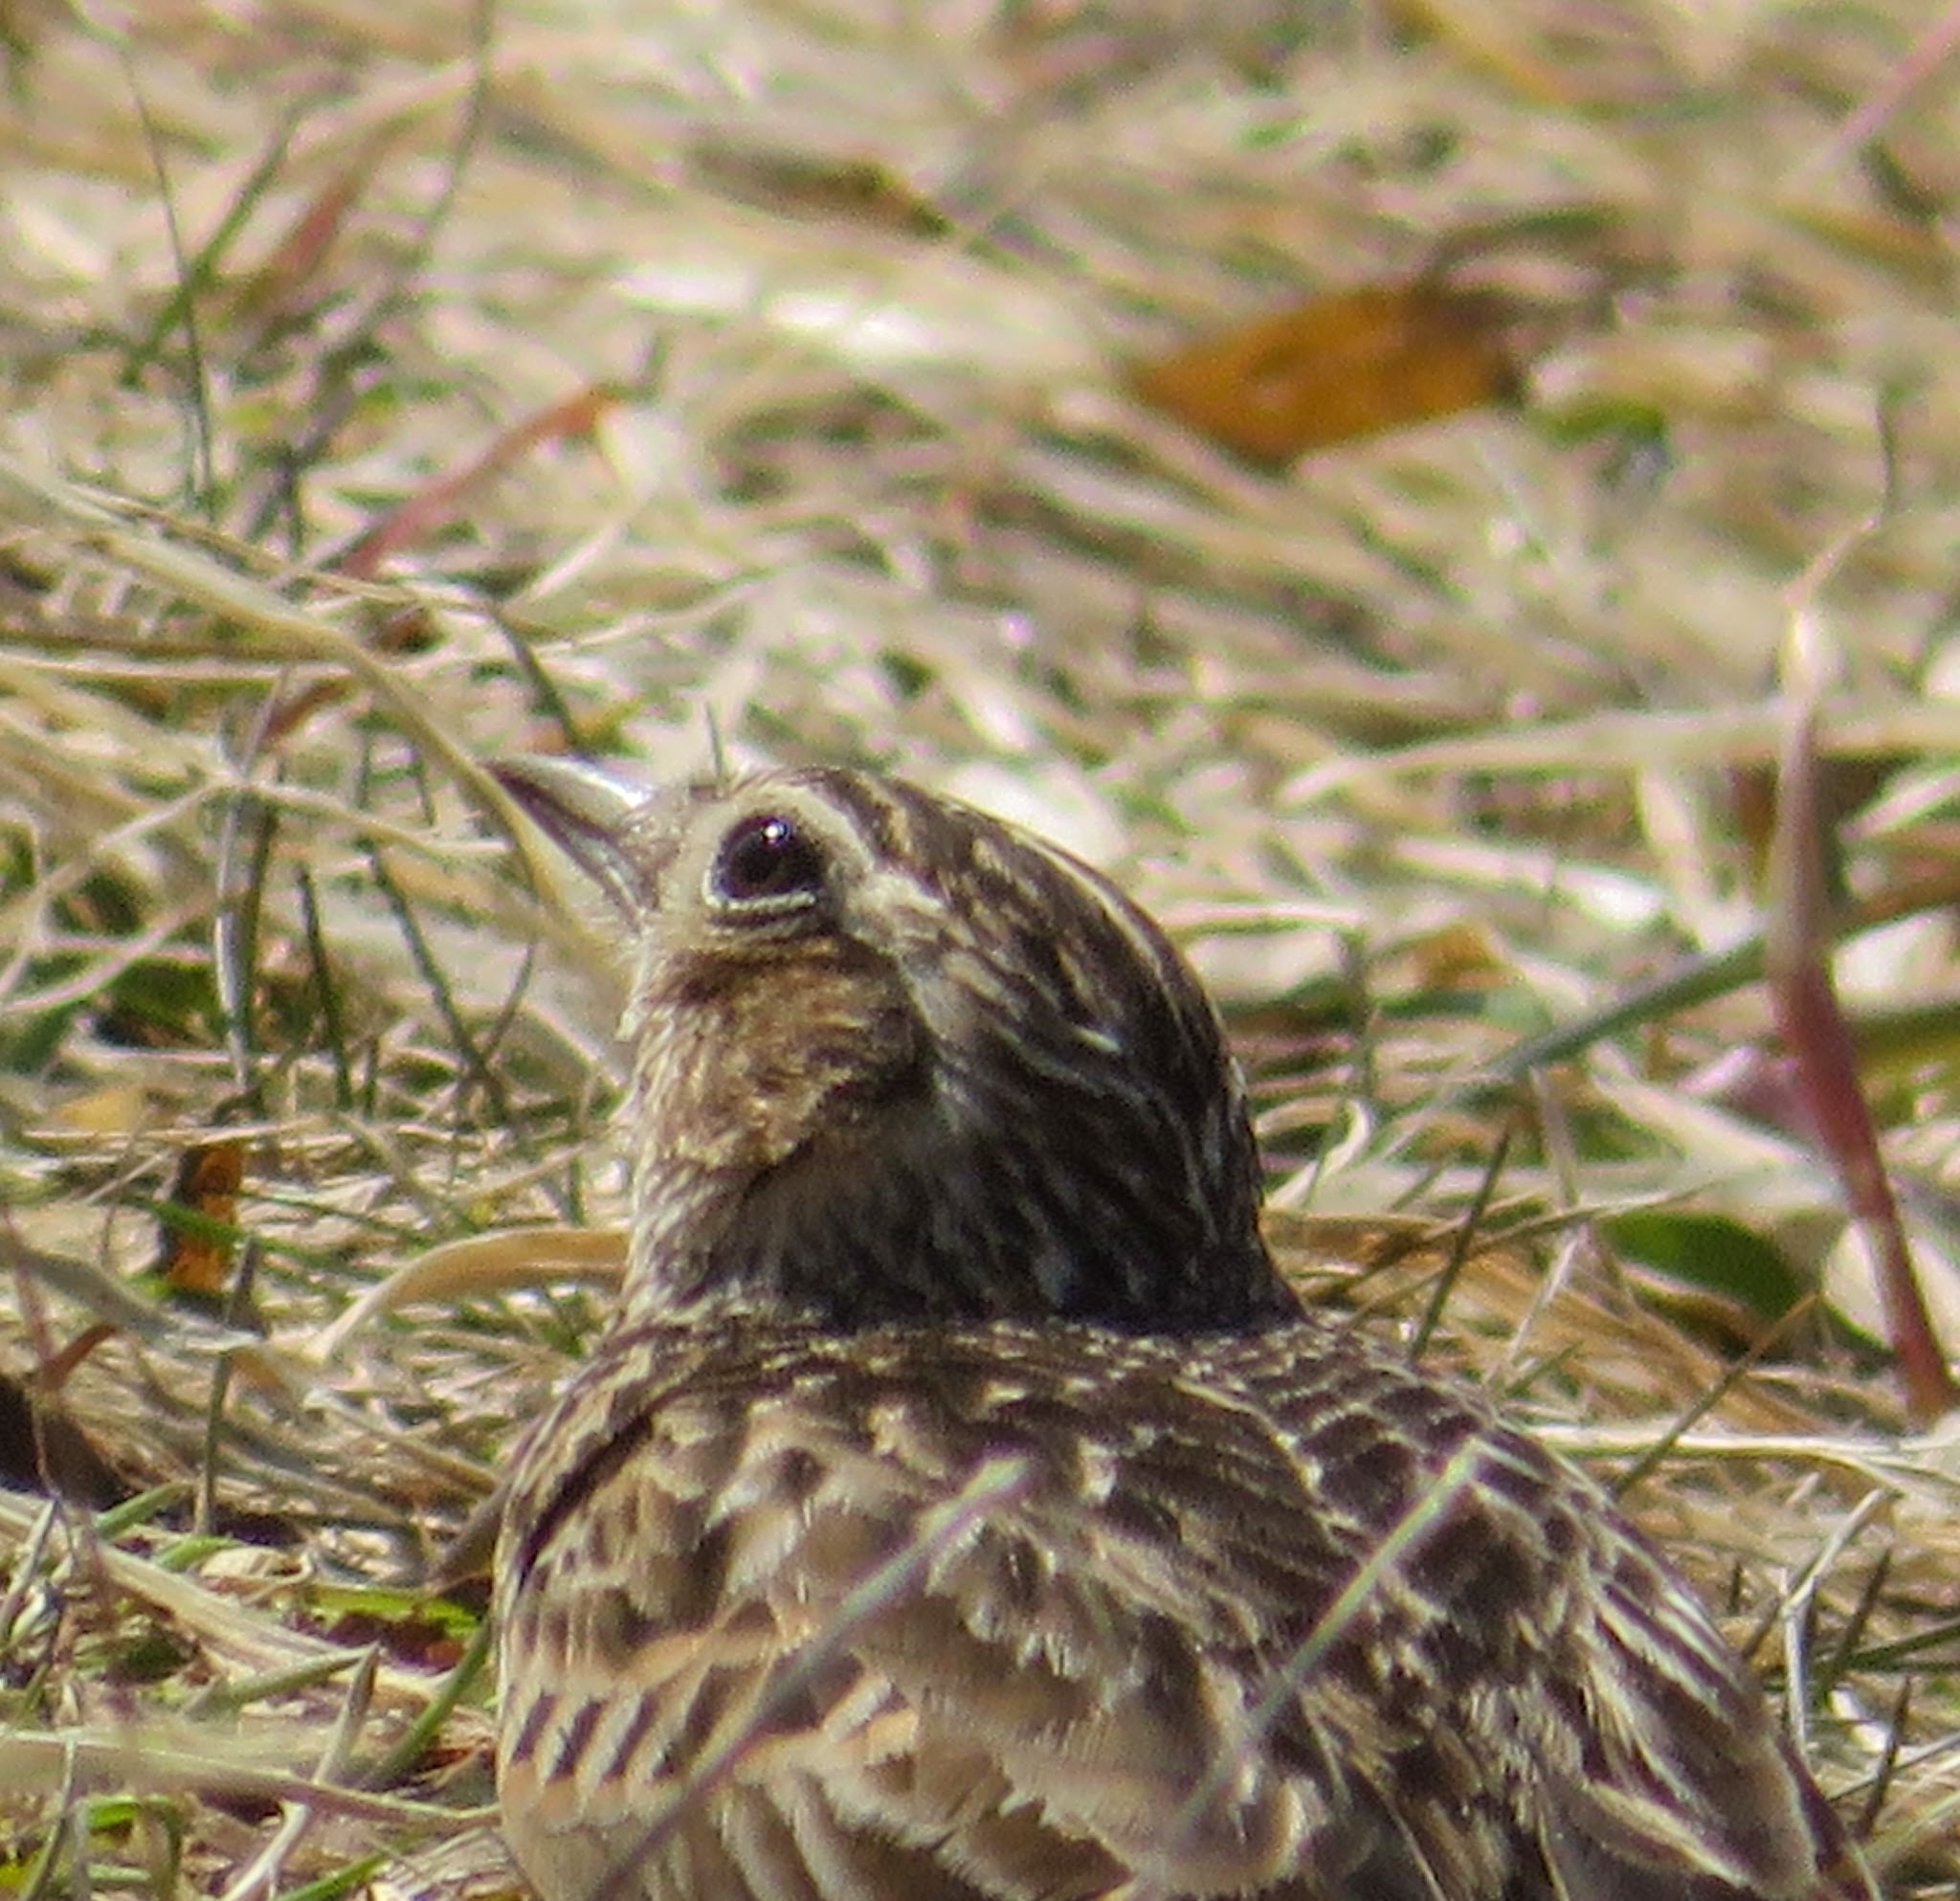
x=1008 y=1611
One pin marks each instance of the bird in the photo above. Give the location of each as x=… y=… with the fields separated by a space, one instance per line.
x=961 y=1505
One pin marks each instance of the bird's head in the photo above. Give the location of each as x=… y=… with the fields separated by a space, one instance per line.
x=894 y=1060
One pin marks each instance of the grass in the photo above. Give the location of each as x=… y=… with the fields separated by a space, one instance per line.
x=391 y=388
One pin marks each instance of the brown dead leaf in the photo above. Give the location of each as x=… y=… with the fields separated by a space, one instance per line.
x=1352 y=363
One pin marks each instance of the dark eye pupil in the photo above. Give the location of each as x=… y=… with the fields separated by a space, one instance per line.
x=763 y=857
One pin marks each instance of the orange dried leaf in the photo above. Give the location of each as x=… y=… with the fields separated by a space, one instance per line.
x=1354 y=363
x=196 y=1260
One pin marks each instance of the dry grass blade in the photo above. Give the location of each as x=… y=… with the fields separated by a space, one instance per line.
x=165 y=1759
x=1814 y=1026
x=514 y=1258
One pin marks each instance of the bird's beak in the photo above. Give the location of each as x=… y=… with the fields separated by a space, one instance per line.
x=587 y=811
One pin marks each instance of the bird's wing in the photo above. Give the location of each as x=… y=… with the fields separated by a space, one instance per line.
x=1042 y=1614
x=1644 y=1755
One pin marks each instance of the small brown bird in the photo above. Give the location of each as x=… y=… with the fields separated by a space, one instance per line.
x=962 y=1507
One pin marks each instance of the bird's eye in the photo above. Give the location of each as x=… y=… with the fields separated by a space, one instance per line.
x=766 y=859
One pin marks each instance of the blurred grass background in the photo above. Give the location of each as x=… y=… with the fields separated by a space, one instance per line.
x=393 y=386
